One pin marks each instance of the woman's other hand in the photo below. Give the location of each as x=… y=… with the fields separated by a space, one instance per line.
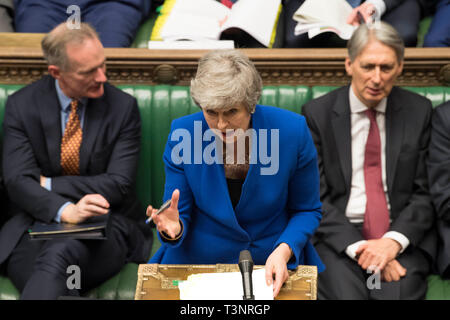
x=276 y=267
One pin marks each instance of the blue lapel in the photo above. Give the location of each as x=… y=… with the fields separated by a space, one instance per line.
x=254 y=168
x=219 y=196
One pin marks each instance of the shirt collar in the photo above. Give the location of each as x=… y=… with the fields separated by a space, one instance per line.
x=356 y=106
x=64 y=101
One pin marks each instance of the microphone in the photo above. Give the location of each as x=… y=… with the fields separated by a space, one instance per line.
x=246 y=268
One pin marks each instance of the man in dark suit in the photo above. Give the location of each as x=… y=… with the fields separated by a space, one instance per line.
x=439 y=177
x=372 y=141
x=71 y=145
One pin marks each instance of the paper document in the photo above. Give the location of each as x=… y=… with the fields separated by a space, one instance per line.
x=186 y=45
x=318 y=16
x=223 y=286
x=208 y=19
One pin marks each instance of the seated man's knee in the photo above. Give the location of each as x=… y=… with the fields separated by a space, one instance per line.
x=58 y=255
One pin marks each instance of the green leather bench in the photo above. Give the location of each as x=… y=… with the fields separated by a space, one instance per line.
x=159 y=105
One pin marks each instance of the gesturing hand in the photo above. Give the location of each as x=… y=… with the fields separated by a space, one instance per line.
x=276 y=265
x=167 y=221
x=88 y=206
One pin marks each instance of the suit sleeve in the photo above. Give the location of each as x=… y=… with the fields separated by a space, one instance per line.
x=21 y=170
x=116 y=183
x=417 y=215
x=335 y=228
x=439 y=162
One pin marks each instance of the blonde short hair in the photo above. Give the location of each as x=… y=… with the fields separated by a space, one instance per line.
x=226 y=78
x=54 y=43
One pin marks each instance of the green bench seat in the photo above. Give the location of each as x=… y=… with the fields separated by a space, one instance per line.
x=159 y=105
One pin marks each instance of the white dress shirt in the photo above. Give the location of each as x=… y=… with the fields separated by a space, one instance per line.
x=356 y=206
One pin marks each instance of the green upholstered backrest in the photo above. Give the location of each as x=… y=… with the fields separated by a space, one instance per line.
x=424 y=26
x=287 y=97
x=7 y=290
x=160 y=104
x=145 y=30
x=5 y=91
x=437 y=95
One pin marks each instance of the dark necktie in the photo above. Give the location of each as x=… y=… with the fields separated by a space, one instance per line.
x=376 y=218
x=71 y=142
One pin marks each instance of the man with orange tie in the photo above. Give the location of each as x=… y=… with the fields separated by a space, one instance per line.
x=376 y=236
x=71 y=145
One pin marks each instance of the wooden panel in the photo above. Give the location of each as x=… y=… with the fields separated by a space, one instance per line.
x=16 y=39
x=311 y=67
x=157 y=282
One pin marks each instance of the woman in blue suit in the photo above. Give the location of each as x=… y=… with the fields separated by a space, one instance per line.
x=240 y=176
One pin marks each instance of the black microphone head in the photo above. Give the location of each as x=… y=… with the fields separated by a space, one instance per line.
x=246 y=268
x=245 y=256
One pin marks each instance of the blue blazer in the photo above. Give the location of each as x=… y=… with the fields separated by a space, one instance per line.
x=280 y=200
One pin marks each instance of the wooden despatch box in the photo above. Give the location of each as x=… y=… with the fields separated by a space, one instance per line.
x=159 y=281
